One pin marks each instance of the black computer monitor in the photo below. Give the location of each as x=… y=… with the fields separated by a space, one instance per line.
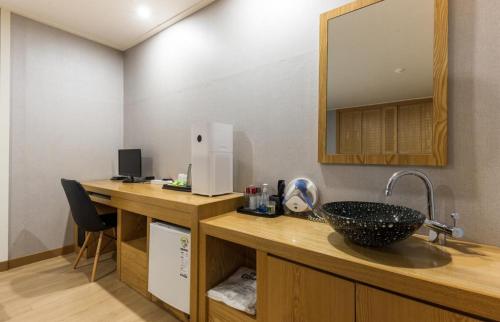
x=130 y=163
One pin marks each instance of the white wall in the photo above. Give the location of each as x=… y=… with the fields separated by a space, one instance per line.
x=67 y=114
x=4 y=132
x=255 y=64
x=250 y=63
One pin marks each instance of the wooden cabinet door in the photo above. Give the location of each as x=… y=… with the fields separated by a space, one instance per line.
x=296 y=293
x=349 y=128
x=373 y=305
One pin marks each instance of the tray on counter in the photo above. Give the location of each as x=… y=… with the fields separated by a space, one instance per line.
x=177 y=188
x=247 y=211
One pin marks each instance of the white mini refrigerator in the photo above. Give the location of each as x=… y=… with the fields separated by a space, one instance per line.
x=169 y=264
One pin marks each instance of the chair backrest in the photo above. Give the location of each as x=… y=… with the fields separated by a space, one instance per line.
x=82 y=208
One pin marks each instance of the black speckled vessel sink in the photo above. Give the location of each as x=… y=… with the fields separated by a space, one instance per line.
x=372 y=224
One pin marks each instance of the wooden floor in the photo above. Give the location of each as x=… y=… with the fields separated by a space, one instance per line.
x=52 y=291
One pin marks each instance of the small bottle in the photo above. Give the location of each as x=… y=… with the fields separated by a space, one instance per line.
x=271 y=207
x=264 y=198
x=247 y=196
x=253 y=198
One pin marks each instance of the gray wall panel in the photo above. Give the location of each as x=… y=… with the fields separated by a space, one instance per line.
x=67 y=114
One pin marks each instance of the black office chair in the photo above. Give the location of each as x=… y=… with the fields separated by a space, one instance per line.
x=86 y=217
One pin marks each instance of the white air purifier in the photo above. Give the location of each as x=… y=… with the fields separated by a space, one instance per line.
x=212 y=158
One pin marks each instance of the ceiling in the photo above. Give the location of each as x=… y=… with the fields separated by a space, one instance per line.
x=120 y=24
x=381 y=53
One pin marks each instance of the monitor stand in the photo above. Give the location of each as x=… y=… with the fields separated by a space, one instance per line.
x=133 y=180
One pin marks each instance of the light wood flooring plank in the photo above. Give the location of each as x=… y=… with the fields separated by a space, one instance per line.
x=51 y=290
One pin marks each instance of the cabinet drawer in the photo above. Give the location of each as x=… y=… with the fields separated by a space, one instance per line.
x=297 y=293
x=373 y=305
x=220 y=312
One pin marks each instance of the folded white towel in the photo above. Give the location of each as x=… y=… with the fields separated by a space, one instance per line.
x=238 y=291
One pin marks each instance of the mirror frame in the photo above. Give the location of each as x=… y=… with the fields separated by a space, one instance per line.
x=439 y=156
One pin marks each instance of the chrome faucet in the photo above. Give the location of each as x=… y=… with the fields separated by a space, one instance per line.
x=438 y=231
x=425 y=179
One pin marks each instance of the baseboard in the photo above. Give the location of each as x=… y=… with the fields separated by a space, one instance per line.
x=4 y=266
x=25 y=260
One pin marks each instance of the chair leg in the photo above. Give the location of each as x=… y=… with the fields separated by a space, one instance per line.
x=97 y=254
x=82 y=249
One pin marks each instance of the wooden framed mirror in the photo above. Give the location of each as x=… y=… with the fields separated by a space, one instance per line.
x=383 y=83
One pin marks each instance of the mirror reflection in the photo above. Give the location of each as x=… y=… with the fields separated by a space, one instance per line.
x=380 y=79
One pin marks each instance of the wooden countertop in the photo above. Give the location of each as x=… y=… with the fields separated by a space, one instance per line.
x=152 y=193
x=461 y=275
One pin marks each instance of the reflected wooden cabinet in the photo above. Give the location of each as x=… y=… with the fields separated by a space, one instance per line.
x=296 y=293
x=415 y=128
x=373 y=305
x=395 y=128
x=349 y=125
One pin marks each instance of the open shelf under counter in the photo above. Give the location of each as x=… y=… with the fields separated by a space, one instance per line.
x=219 y=259
x=139 y=244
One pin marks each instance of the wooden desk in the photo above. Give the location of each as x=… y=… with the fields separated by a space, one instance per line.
x=140 y=204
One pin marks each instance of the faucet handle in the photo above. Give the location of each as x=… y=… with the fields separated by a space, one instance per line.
x=433 y=236
x=438 y=231
x=456 y=231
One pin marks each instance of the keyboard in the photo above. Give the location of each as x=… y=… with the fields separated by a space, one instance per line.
x=119 y=178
